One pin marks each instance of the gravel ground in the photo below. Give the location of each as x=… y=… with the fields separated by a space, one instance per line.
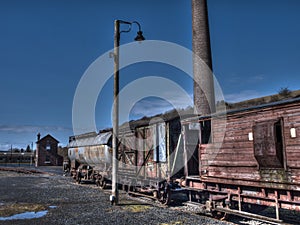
x=69 y=203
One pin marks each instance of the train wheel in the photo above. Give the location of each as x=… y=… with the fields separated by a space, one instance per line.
x=102 y=184
x=156 y=195
x=165 y=198
x=78 y=178
x=98 y=180
x=219 y=215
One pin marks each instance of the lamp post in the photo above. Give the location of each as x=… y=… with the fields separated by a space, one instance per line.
x=115 y=195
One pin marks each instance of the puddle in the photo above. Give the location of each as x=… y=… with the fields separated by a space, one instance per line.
x=25 y=215
x=23 y=211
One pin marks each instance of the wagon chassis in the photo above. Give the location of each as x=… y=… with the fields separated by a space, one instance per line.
x=157 y=189
x=217 y=199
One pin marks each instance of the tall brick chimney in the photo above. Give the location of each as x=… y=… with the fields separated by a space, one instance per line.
x=204 y=97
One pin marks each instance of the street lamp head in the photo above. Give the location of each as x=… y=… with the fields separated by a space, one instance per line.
x=139 y=36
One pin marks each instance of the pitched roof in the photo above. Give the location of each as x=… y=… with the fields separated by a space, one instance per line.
x=47 y=136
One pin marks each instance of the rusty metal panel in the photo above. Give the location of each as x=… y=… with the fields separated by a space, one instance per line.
x=80 y=155
x=91 y=155
x=96 y=156
x=140 y=152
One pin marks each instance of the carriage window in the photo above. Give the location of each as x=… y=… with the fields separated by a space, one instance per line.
x=268 y=143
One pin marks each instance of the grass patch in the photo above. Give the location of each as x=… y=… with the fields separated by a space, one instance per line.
x=137 y=208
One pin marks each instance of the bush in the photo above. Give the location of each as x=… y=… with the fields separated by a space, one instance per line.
x=285 y=92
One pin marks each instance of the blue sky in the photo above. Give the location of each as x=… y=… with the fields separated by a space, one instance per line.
x=47 y=45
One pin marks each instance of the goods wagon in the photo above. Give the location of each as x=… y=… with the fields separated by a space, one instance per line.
x=90 y=157
x=146 y=154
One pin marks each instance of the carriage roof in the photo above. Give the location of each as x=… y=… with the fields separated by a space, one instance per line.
x=90 y=140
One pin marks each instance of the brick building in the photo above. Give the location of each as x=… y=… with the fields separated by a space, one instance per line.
x=46 y=152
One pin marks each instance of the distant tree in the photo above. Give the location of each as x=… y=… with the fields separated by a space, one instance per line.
x=22 y=150
x=28 y=148
x=62 y=151
x=16 y=150
x=284 y=92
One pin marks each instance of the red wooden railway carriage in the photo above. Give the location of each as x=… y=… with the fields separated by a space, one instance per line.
x=255 y=159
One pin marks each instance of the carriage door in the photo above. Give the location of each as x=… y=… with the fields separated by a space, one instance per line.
x=190 y=142
x=268 y=144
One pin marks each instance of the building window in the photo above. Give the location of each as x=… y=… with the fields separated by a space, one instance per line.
x=48 y=146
